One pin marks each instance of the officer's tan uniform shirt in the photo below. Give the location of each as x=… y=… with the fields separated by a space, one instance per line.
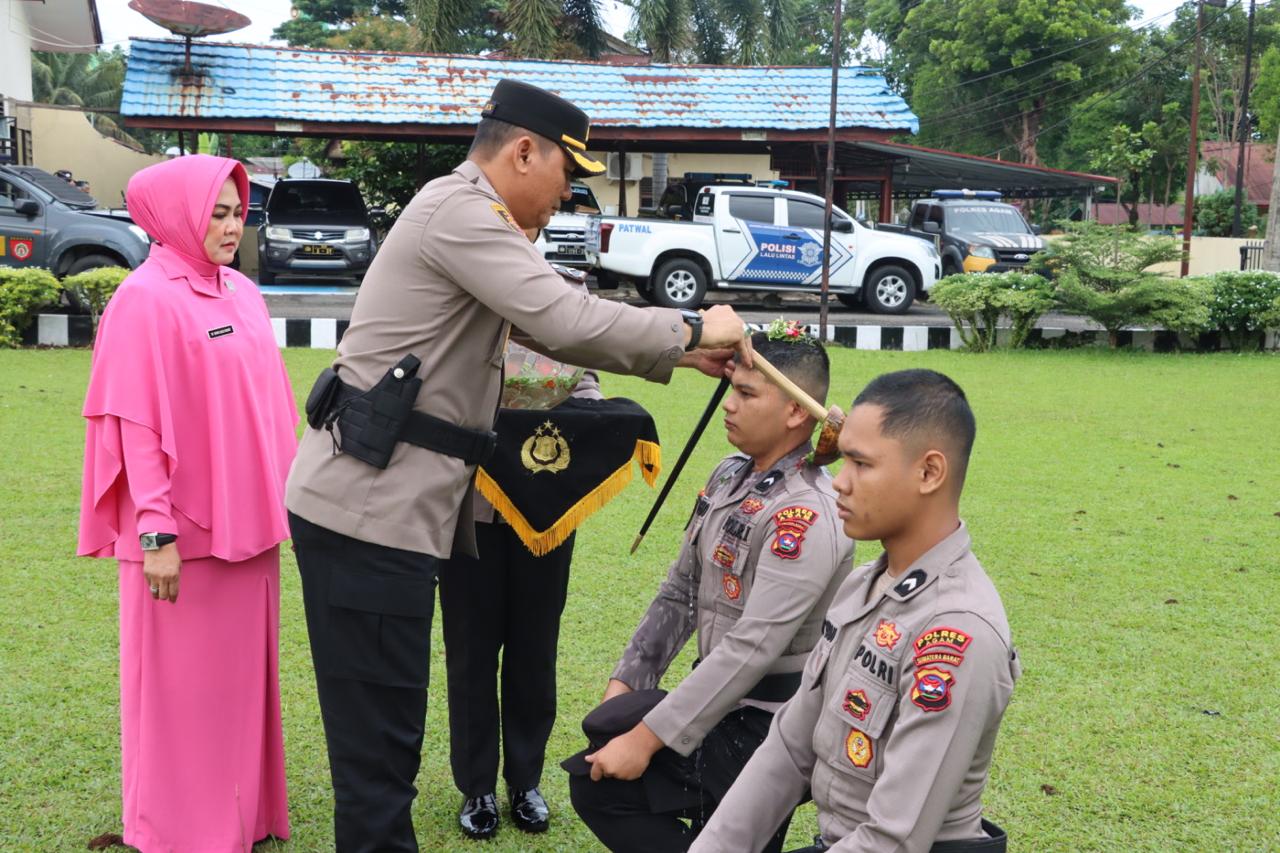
x=895 y=720
x=763 y=555
x=452 y=276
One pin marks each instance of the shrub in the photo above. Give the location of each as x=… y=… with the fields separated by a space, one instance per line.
x=1241 y=305
x=23 y=292
x=94 y=288
x=1101 y=272
x=976 y=301
x=1215 y=214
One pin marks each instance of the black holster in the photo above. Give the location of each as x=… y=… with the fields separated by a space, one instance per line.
x=370 y=423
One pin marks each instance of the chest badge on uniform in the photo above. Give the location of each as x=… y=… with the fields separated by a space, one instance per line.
x=751 y=506
x=792 y=523
x=856 y=704
x=932 y=690
x=732 y=586
x=724 y=556
x=887 y=635
x=858 y=747
x=505 y=216
x=545 y=450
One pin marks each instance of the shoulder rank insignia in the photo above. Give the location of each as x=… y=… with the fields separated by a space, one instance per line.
x=943 y=637
x=932 y=690
x=768 y=480
x=505 y=216
x=856 y=704
x=887 y=635
x=910 y=583
x=858 y=747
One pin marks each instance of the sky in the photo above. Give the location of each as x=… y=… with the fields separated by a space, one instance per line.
x=120 y=23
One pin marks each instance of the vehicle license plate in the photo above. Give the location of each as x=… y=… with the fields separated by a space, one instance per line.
x=317 y=249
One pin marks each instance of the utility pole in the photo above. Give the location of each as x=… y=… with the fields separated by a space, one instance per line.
x=1193 y=150
x=1244 y=131
x=831 y=175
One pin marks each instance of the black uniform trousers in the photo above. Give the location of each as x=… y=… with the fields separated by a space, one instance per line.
x=645 y=815
x=369 y=611
x=507 y=601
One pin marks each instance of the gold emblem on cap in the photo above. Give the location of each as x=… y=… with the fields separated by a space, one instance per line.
x=569 y=140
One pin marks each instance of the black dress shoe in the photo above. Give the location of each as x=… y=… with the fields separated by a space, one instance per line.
x=479 y=816
x=529 y=811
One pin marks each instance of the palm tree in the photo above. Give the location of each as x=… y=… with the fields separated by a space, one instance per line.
x=91 y=81
x=746 y=32
x=544 y=29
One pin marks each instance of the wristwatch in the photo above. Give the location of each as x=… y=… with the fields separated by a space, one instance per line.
x=693 y=320
x=155 y=541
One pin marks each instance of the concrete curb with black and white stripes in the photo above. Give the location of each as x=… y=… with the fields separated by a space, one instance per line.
x=61 y=330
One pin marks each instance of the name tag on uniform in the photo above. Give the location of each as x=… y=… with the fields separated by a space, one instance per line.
x=221 y=332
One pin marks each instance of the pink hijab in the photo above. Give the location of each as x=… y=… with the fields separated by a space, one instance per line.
x=221 y=405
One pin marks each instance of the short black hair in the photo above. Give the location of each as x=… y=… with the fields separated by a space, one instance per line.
x=803 y=362
x=924 y=404
x=492 y=134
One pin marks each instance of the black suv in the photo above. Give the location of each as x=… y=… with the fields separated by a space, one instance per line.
x=315 y=229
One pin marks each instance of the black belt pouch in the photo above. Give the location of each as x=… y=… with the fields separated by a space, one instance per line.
x=371 y=423
x=323 y=398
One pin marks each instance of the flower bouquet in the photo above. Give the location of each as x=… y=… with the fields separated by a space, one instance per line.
x=534 y=381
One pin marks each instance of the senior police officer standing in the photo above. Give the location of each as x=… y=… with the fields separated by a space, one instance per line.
x=380 y=491
x=762 y=557
x=895 y=721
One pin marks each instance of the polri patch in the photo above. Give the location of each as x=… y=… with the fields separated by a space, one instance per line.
x=858 y=747
x=505 y=216
x=942 y=637
x=732 y=586
x=221 y=332
x=887 y=634
x=737 y=528
x=856 y=704
x=932 y=690
x=874 y=664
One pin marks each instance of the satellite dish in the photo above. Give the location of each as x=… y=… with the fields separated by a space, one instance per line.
x=190 y=20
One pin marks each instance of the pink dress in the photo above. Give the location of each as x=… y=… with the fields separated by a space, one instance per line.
x=190 y=430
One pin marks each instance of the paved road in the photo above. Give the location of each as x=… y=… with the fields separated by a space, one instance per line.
x=286 y=301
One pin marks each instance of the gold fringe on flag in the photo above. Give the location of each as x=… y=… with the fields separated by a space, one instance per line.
x=542 y=542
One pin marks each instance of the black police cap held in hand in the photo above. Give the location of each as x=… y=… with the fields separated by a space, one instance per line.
x=546 y=115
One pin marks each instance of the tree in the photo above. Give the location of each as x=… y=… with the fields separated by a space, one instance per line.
x=92 y=81
x=1125 y=157
x=999 y=69
x=1215 y=214
x=1264 y=101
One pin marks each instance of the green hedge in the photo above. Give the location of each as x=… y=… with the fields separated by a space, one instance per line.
x=94 y=288
x=1242 y=306
x=23 y=292
x=976 y=302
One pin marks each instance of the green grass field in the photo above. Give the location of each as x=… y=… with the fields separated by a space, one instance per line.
x=1127 y=506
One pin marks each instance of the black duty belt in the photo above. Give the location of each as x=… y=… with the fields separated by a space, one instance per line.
x=474 y=447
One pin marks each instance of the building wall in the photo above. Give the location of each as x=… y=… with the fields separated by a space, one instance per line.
x=15 y=53
x=62 y=138
x=757 y=165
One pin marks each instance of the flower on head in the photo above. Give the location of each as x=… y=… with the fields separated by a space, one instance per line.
x=791 y=331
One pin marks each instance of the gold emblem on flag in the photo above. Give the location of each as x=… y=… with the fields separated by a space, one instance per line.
x=545 y=450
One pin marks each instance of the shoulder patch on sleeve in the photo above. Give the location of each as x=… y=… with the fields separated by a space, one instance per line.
x=791 y=524
x=942 y=637
x=932 y=689
x=505 y=216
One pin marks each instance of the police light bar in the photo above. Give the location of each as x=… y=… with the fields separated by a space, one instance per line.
x=717 y=177
x=774 y=184
x=987 y=194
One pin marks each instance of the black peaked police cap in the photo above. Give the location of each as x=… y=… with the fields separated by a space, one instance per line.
x=546 y=115
x=608 y=720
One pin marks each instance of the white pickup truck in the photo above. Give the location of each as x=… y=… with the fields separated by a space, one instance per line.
x=746 y=238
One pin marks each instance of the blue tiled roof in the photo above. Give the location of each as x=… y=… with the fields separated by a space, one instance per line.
x=288 y=84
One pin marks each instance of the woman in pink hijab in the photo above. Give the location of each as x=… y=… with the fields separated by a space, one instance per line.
x=190 y=435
